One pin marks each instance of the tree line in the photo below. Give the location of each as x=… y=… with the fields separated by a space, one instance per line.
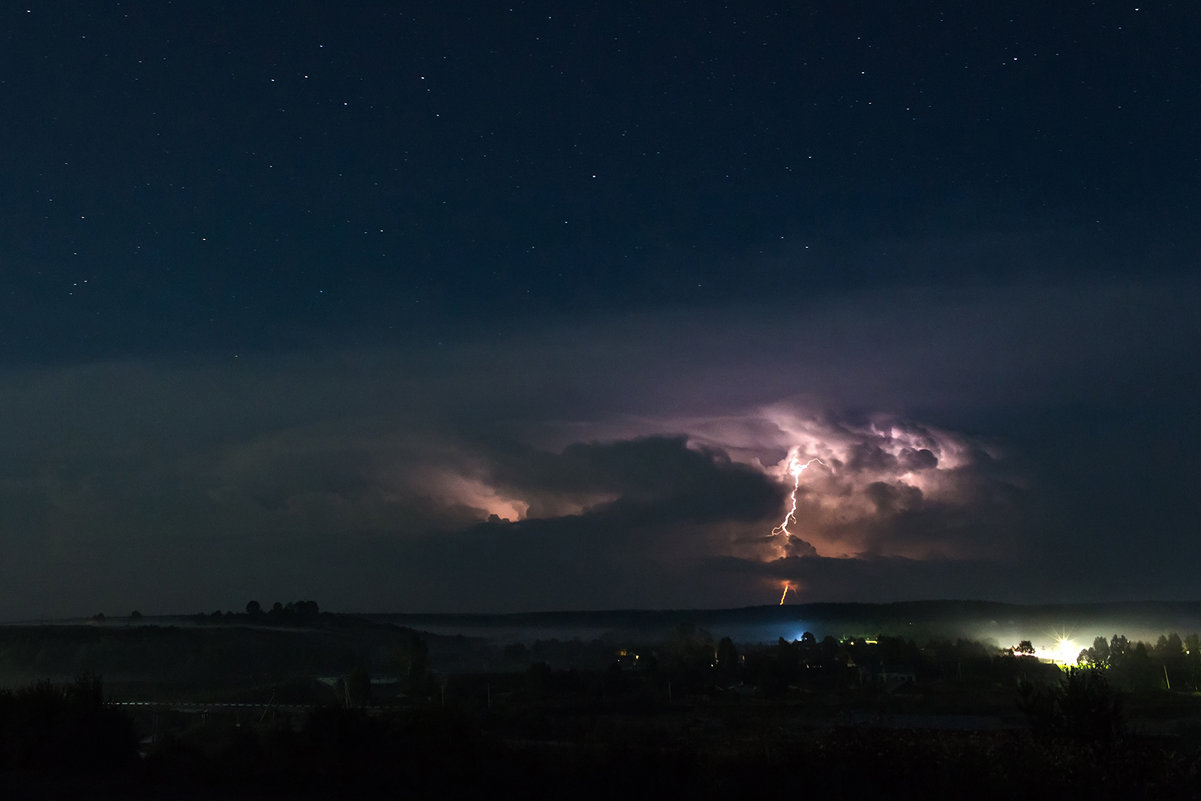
x=1170 y=663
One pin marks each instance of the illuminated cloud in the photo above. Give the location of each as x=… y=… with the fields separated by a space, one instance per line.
x=883 y=486
x=644 y=461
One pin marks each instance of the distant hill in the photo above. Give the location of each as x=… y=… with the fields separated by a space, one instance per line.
x=195 y=650
x=244 y=649
x=1003 y=623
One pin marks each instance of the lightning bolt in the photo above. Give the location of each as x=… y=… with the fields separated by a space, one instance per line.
x=795 y=468
x=787 y=587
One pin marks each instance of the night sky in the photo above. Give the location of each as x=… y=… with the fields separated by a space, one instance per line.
x=456 y=307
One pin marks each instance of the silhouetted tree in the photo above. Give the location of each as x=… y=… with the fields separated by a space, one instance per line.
x=1081 y=705
x=1098 y=654
x=64 y=728
x=305 y=610
x=1118 y=648
x=1192 y=660
x=690 y=652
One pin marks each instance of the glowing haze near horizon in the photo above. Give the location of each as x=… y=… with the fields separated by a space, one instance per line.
x=531 y=308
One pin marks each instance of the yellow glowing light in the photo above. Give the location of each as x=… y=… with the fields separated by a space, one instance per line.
x=1065 y=651
x=783 y=595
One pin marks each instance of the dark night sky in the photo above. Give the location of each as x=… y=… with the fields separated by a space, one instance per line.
x=437 y=307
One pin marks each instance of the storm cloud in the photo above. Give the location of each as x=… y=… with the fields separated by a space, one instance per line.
x=646 y=459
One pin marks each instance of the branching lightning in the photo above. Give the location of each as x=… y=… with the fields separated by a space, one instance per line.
x=795 y=468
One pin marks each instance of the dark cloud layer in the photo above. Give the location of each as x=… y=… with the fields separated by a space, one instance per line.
x=639 y=476
x=626 y=462
x=402 y=307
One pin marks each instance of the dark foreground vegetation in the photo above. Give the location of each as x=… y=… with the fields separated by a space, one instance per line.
x=688 y=718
